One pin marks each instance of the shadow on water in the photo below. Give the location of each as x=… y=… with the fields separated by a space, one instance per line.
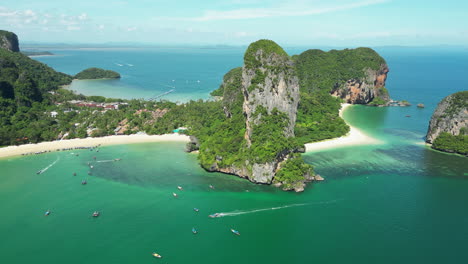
x=161 y=165
x=387 y=159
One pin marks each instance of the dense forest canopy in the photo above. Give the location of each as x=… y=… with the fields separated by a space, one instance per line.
x=97 y=73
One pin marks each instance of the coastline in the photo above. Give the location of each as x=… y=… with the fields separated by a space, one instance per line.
x=11 y=151
x=355 y=137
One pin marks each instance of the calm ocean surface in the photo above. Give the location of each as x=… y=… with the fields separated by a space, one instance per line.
x=398 y=202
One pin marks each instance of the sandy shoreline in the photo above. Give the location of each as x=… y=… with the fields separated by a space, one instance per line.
x=353 y=138
x=88 y=142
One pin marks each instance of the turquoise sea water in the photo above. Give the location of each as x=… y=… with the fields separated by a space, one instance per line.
x=398 y=202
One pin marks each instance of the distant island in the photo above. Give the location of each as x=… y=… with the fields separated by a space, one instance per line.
x=268 y=109
x=37 y=53
x=448 y=127
x=97 y=73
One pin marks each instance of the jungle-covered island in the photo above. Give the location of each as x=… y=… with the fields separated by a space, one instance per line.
x=268 y=109
x=97 y=73
x=448 y=127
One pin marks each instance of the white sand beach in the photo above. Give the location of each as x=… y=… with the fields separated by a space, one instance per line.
x=88 y=142
x=353 y=138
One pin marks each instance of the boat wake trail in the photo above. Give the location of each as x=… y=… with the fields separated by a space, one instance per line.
x=105 y=161
x=238 y=212
x=48 y=167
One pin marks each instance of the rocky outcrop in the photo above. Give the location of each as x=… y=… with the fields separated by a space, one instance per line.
x=263 y=97
x=9 y=41
x=450 y=116
x=273 y=85
x=364 y=90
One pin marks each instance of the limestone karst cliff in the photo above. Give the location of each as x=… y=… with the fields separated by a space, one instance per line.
x=260 y=103
x=448 y=127
x=364 y=90
x=9 y=41
x=355 y=75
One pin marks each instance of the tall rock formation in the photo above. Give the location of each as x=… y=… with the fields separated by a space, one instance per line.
x=448 y=128
x=270 y=87
x=9 y=41
x=269 y=80
x=260 y=102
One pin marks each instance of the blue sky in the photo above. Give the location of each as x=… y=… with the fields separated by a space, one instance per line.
x=293 y=22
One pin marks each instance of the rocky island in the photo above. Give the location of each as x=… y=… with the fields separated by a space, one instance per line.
x=97 y=73
x=275 y=103
x=448 y=127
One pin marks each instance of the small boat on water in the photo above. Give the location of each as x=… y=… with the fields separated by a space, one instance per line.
x=174 y=194
x=96 y=214
x=214 y=215
x=211 y=187
x=180 y=188
x=47 y=213
x=156 y=255
x=235 y=232
x=83 y=182
x=194 y=231
x=91 y=166
x=196 y=209
x=117 y=159
x=39 y=172
x=89 y=173
x=74 y=174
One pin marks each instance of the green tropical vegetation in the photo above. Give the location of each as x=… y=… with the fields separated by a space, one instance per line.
x=97 y=73
x=452 y=143
x=458 y=101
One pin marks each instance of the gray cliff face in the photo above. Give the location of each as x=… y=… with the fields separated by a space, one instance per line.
x=363 y=91
x=447 y=118
x=9 y=41
x=279 y=89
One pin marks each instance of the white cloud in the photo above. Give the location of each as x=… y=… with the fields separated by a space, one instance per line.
x=241 y=34
x=73 y=28
x=83 y=16
x=279 y=11
x=131 y=29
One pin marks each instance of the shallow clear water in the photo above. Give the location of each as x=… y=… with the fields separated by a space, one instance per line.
x=398 y=202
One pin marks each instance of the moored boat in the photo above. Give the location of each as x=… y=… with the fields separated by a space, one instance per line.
x=156 y=255
x=214 y=215
x=180 y=188
x=83 y=182
x=96 y=214
x=194 y=231
x=47 y=213
x=196 y=209
x=174 y=194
